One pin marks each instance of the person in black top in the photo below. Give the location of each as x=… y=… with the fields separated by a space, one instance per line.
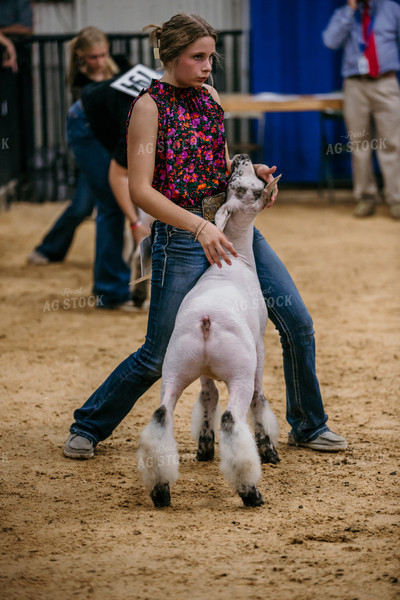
x=96 y=132
x=106 y=110
x=90 y=62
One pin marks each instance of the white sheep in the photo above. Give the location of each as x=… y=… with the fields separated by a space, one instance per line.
x=219 y=335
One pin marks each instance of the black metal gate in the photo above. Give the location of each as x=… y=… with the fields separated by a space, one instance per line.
x=34 y=106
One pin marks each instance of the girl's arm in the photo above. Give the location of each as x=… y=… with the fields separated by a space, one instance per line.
x=118 y=179
x=10 y=55
x=142 y=140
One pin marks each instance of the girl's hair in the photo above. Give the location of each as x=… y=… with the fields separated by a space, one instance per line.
x=175 y=35
x=84 y=41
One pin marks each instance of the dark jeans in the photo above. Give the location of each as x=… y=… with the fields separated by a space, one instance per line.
x=58 y=240
x=111 y=273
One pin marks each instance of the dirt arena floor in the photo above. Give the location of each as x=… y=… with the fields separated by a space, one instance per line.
x=330 y=525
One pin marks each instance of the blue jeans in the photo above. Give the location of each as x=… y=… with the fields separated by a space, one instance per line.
x=111 y=273
x=58 y=240
x=178 y=262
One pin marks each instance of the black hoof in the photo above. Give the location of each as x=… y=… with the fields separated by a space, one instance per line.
x=205 y=450
x=269 y=455
x=252 y=497
x=267 y=451
x=160 y=495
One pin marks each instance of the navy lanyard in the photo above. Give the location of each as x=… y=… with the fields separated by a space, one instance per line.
x=364 y=43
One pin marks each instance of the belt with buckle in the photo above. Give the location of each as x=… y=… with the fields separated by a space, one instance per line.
x=370 y=78
x=209 y=206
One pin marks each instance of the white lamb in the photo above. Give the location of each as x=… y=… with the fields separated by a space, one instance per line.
x=218 y=335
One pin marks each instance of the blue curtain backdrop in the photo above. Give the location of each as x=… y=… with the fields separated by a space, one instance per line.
x=287 y=56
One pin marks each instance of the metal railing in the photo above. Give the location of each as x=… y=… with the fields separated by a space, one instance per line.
x=46 y=169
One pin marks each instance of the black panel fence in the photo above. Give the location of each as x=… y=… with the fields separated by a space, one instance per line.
x=34 y=104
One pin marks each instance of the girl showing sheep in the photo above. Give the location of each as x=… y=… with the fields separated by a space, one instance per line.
x=179 y=121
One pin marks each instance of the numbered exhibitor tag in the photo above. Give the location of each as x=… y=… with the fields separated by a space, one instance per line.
x=145 y=256
x=363 y=65
x=135 y=80
x=145 y=260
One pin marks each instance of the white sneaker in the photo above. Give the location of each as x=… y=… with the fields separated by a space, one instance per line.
x=35 y=258
x=326 y=442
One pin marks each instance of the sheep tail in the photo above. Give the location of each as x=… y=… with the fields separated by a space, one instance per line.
x=205 y=326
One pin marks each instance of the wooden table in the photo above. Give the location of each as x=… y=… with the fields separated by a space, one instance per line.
x=268 y=102
x=256 y=106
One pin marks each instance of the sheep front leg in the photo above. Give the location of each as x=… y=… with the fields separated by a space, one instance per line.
x=204 y=419
x=266 y=429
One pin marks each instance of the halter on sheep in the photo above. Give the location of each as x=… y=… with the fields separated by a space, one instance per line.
x=218 y=334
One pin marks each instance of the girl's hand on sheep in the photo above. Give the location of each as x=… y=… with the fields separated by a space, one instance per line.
x=266 y=173
x=215 y=244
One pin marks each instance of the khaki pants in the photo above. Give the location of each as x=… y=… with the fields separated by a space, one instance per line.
x=379 y=99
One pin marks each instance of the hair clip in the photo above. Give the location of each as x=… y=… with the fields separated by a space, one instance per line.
x=156 y=53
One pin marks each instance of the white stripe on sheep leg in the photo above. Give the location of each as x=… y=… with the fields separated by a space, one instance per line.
x=240 y=462
x=266 y=428
x=205 y=417
x=158 y=458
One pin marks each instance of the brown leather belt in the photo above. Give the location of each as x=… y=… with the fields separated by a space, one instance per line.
x=369 y=78
x=209 y=206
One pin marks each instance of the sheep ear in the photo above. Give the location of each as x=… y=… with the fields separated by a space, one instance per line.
x=269 y=189
x=222 y=216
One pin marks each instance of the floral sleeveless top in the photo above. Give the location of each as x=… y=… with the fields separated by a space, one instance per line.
x=190 y=161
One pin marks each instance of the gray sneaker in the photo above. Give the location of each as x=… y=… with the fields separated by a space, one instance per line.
x=326 y=442
x=365 y=208
x=395 y=211
x=79 y=447
x=36 y=258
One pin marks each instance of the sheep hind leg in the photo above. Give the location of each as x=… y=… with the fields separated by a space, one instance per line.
x=203 y=420
x=158 y=458
x=160 y=494
x=266 y=428
x=240 y=463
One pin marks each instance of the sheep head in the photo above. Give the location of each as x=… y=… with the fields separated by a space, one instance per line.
x=246 y=193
